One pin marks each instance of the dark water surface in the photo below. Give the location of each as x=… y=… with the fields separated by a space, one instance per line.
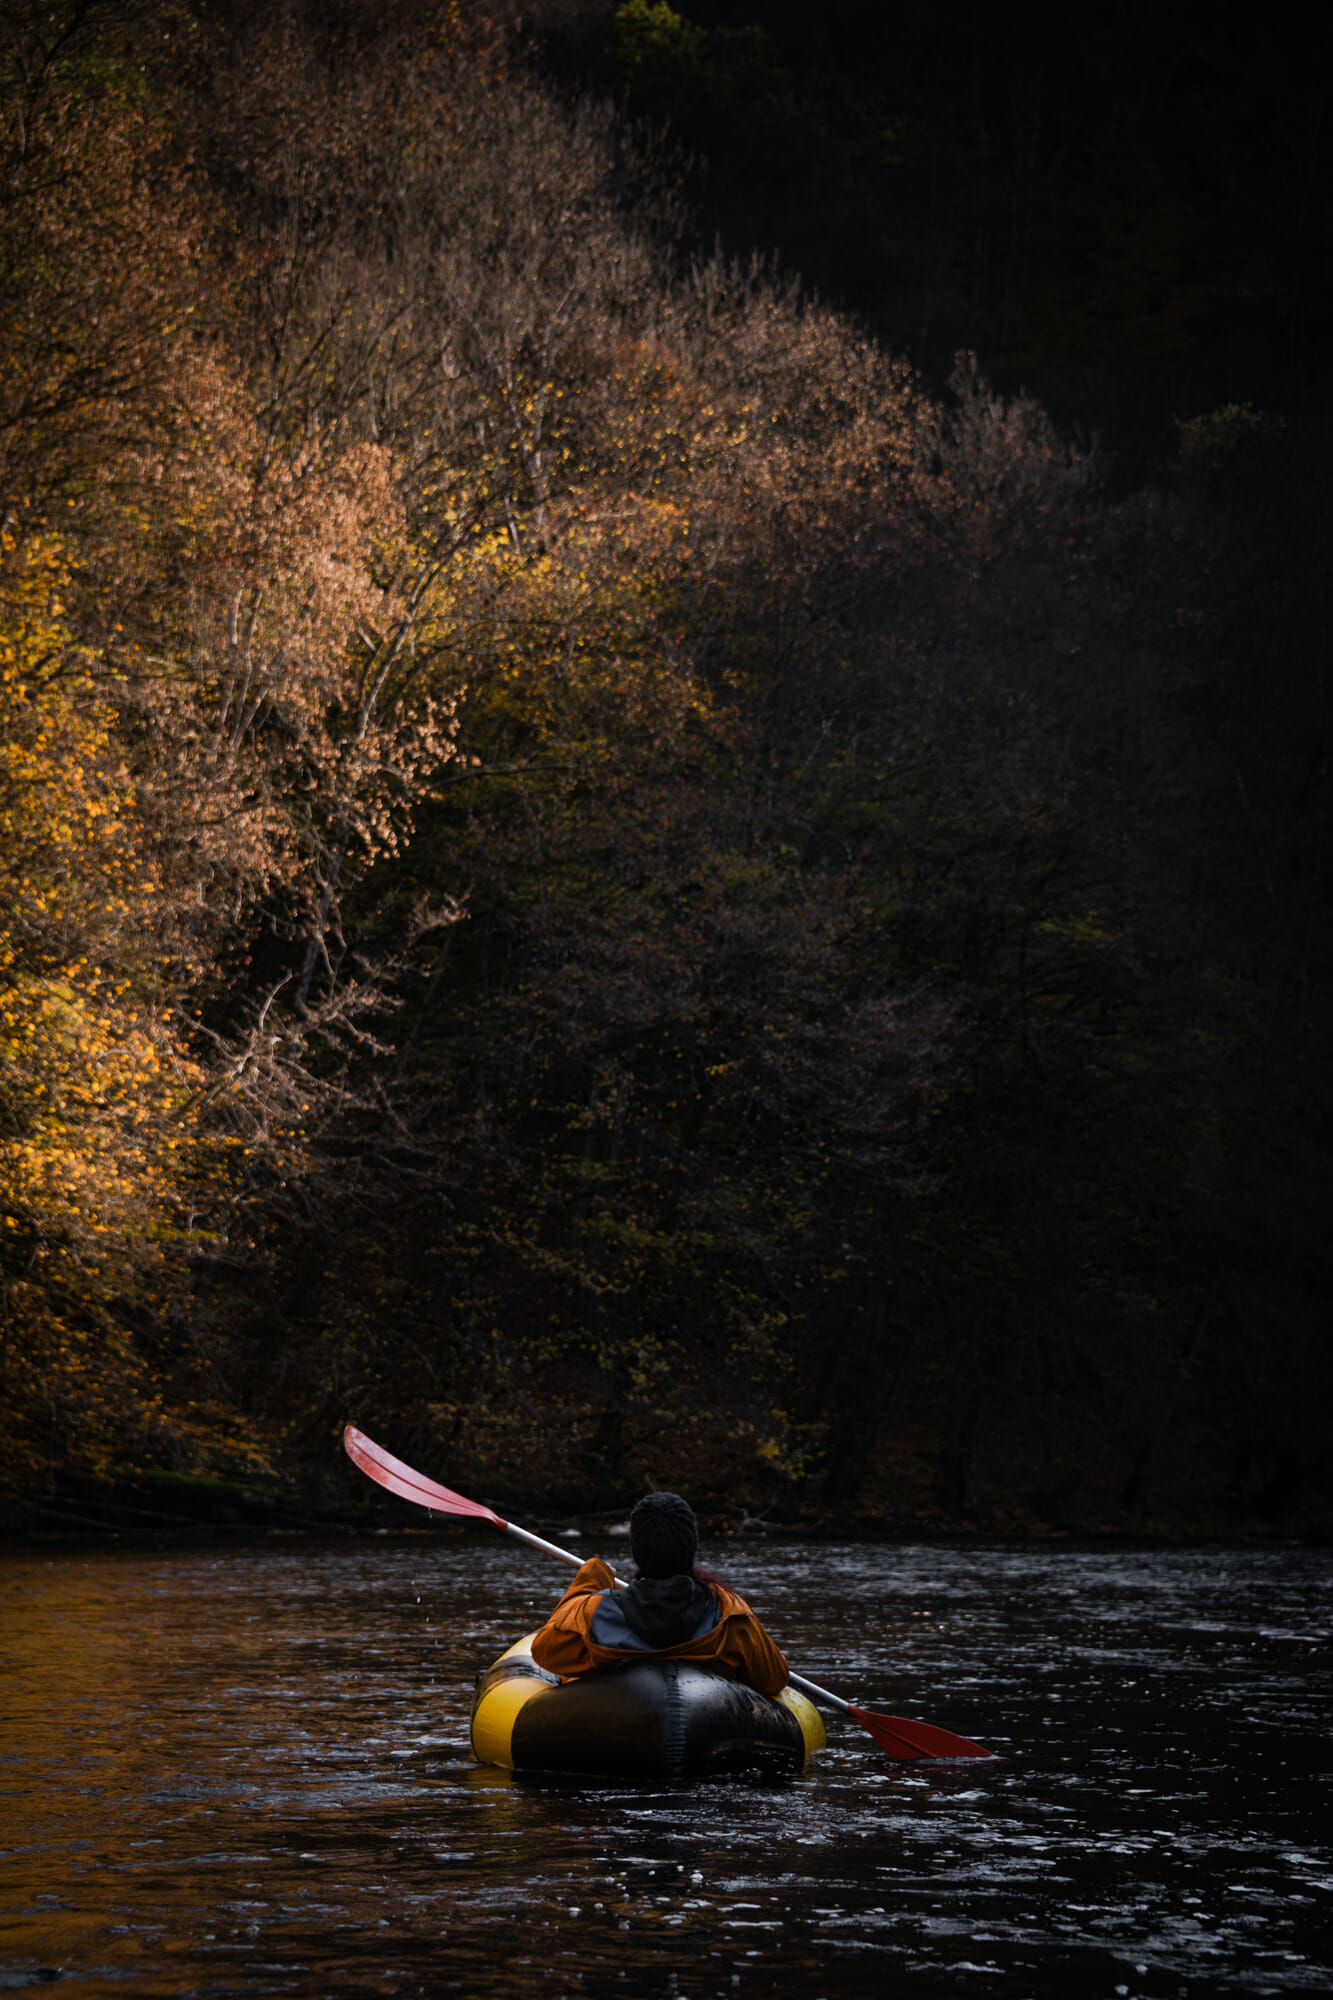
x=248 y=1773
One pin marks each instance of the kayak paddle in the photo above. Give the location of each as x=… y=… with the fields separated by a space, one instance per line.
x=908 y=1742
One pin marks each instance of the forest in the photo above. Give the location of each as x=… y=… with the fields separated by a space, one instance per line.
x=664 y=786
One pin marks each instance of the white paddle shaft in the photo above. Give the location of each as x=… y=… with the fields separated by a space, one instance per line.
x=553 y=1549
x=820 y=1694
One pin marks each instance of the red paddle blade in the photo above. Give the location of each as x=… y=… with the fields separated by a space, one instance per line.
x=386 y=1470
x=910 y=1741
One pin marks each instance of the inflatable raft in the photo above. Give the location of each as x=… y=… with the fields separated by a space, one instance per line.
x=651 y=1720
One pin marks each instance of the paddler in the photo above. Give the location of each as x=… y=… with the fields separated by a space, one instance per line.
x=673 y=1610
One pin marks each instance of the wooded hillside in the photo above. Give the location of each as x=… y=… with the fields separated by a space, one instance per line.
x=597 y=871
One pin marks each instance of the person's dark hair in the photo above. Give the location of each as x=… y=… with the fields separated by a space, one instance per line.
x=663 y=1535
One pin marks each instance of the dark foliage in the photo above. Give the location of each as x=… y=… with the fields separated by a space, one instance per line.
x=766 y=930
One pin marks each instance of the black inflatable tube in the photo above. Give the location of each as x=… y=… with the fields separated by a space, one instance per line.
x=650 y=1721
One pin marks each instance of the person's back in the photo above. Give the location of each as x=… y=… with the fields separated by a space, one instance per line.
x=671 y=1611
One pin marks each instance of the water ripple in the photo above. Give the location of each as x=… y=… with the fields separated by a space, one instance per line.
x=249 y=1773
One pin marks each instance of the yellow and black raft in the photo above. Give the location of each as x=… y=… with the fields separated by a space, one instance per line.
x=649 y=1721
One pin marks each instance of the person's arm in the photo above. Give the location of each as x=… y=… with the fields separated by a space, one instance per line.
x=562 y=1646
x=760 y=1662
x=746 y=1651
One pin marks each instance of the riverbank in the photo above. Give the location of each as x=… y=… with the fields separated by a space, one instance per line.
x=154 y=1506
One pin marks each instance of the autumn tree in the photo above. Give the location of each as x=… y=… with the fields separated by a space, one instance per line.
x=592 y=871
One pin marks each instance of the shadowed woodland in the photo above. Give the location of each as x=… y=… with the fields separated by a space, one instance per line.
x=628 y=871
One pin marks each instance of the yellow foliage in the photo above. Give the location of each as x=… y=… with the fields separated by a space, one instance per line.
x=97 y=1132
x=63 y=794
x=96 y=1127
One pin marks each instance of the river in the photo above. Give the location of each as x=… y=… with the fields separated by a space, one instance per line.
x=246 y=1771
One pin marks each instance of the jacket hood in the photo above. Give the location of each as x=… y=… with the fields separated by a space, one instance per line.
x=667 y=1610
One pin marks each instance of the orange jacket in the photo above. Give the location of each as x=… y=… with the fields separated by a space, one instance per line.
x=737 y=1646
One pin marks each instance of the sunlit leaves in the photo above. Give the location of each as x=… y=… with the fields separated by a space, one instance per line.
x=100 y=1159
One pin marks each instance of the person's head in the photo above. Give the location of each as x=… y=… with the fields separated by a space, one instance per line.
x=663 y=1535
